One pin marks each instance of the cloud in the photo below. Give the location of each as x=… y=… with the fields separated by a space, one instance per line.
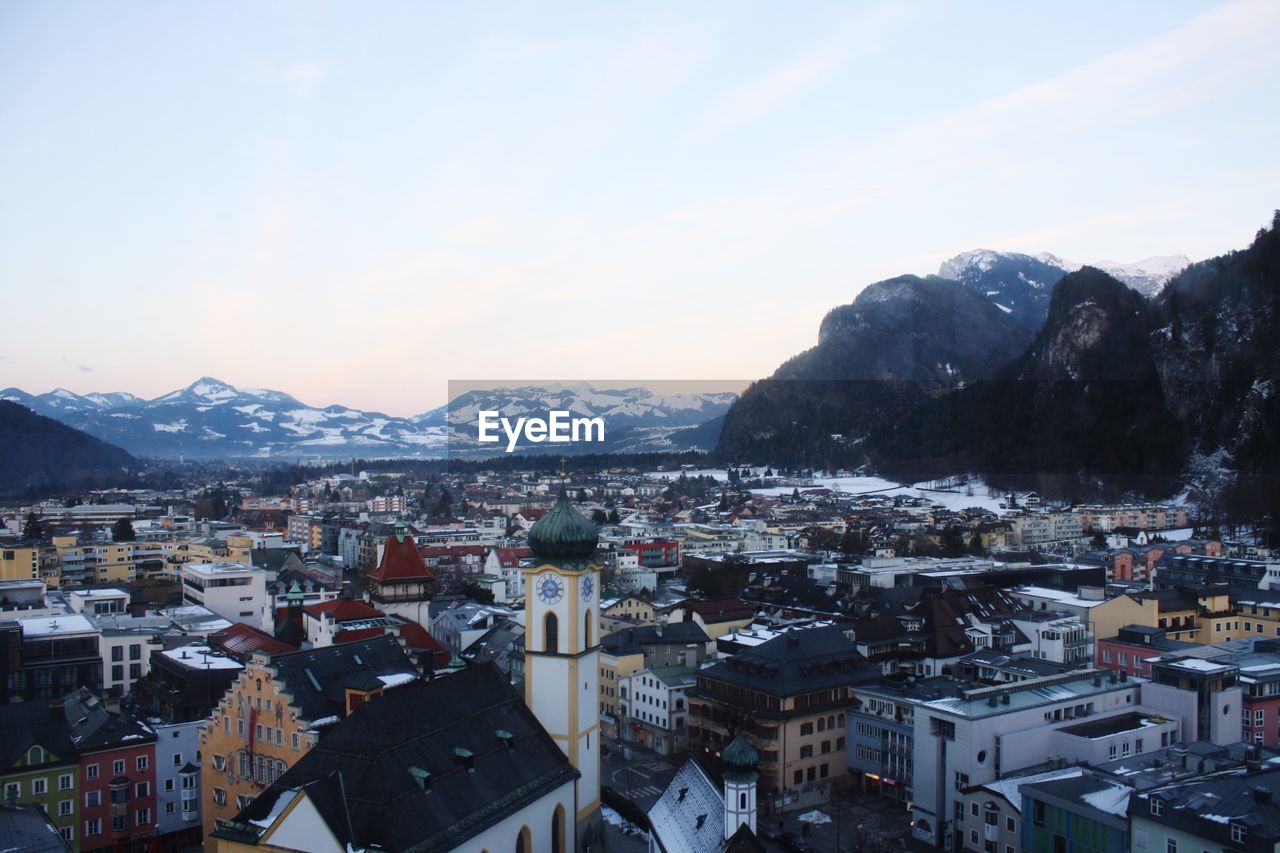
x=84 y=368
x=755 y=99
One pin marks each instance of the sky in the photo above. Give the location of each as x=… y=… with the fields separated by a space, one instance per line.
x=356 y=203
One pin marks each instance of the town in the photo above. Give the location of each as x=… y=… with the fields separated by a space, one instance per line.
x=386 y=659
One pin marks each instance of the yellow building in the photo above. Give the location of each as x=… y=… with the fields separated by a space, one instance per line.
x=19 y=563
x=274 y=712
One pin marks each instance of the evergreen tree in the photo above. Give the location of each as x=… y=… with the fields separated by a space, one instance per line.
x=122 y=531
x=613 y=516
x=445 y=504
x=32 y=529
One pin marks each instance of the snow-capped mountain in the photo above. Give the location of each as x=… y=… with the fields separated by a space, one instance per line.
x=1021 y=285
x=210 y=419
x=1147 y=276
x=637 y=419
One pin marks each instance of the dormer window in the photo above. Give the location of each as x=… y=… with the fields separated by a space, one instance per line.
x=1157 y=806
x=1238 y=832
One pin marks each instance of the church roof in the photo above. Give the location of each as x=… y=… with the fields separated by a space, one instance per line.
x=674 y=818
x=740 y=756
x=563 y=533
x=401 y=560
x=425 y=767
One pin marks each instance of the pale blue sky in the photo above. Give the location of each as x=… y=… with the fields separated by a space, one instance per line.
x=357 y=202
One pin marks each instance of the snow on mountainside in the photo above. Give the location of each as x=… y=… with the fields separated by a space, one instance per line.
x=210 y=419
x=1147 y=276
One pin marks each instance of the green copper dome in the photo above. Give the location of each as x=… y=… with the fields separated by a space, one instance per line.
x=739 y=756
x=563 y=533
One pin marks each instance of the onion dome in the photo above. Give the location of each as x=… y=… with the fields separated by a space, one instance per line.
x=739 y=756
x=563 y=533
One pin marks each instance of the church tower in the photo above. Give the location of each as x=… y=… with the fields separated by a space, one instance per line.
x=562 y=651
x=739 y=759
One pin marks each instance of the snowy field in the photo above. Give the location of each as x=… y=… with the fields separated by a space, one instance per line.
x=870 y=487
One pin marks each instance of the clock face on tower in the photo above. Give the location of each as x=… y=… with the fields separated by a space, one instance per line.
x=550 y=589
x=588 y=586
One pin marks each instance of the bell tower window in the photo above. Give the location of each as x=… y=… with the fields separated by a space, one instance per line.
x=551 y=634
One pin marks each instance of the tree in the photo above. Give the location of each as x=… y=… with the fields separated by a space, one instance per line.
x=613 y=516
x=445 y=504
x=33 y=529
x=122 y=531
x=599 y=517
x=1099 y=541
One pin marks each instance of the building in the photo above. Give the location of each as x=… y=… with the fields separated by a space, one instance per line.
x=125 y=645
x=235 y=591
x=1080 y=810
x=655 y=709
x=694 y=815
x=1177 y=570
x=562 y=648
x=1213 y=812
x=55 y=655
x=39 y=764
x=401 y=580
x=789 y=697
x=881 y=723
x=418 y=770
x=117 y=774
x=629 y=650
x=277 y=709
x=717 y=616
x=987 y=732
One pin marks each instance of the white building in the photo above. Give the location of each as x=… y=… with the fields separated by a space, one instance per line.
x=234 y=591
x=126 y=646
x=654 y=710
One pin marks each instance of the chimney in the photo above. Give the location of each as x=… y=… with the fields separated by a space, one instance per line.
x=1262 y=795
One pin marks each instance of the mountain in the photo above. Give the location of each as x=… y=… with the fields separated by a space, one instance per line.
x=210 y=419
x=1022 y=284
x=43 y=453
x=1081 y=412
x=899 y=342
x=1116 y=392
x=1148 y=276
x=637 y=419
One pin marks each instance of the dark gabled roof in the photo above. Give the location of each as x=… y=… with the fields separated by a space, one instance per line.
x=631 y=641
x=796 y=662
x=1208 y=806
x=27 y=724
x=361 y=776
x=94 y=728
x=28 y=828
x=317 y=679
x=721 y=609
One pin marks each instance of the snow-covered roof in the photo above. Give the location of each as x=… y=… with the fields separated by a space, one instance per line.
x=43 y=626
x=200 y=656
x=674 y=818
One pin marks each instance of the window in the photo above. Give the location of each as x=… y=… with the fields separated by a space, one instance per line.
x=142 y=789
x=806 y=728
x=295 y=740
x=822 y=771
x=799 y=777
x=117 y=767
x=1111 y=752
x=1238 y=832
x=117 y=672
x=120 y=823
x=168 y=785
x=93 y=827
x=806 y=751
x=117 y=653
x=1171 y=845
x=142 y=817
x=12 y=791
x=92 y=798
x=1037 y=812
x=973 y=837
x=177 y=759
x=973 y=809
x=143 y=762
x=1157 y=806
x=551 y=633
x=39 y=787
x=169 y=808
x=65 y=807
x=64 y=782
x=135 y=671
x=219 y=797
x=135 y=651
x=1009 y=824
